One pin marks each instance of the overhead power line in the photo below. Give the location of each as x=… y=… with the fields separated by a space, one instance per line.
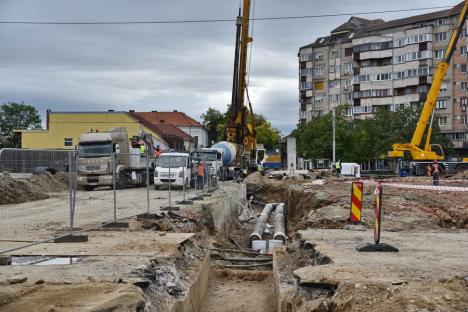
x=219 y=20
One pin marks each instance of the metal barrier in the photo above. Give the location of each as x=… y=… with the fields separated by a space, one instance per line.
x=84 y=202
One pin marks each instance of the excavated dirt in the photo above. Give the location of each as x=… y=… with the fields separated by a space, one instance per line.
x=36 y=187
x=237 y=290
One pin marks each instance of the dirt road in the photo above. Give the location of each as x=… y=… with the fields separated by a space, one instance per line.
x=36 y=220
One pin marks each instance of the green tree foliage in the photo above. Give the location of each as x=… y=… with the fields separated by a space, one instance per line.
x=215 y=122
x=361 y=140
x=16 y=116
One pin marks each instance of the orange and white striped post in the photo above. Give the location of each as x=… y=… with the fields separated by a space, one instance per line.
x=356 y=202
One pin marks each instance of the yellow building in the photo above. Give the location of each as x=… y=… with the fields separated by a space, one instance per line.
x=63 y=129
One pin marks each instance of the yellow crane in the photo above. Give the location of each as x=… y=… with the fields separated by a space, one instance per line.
x=427 y=153
x=240 y=128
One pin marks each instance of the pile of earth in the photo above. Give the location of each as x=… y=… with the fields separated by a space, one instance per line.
x=13 y=191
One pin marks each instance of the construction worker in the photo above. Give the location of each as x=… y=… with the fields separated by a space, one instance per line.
x=338 y=168
x=435 y=171
x=261 y=169
x=157 y=151
x=142 y=147
x=200 y=174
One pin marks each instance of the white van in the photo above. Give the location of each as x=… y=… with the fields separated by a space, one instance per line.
x=178 y=164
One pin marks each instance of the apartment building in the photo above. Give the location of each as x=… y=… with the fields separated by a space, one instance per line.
x=326 y=70
x=388 y=65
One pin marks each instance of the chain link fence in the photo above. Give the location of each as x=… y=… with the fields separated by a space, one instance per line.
x=94 y=191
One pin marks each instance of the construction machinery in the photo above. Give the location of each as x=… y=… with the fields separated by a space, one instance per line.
x=240 y=128
x=102 y=152
x=428 y=151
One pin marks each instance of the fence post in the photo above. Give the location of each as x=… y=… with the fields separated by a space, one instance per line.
x=70 y=186
x=170 y=207
x=147 y=182
x=114 y=176
x=169 y=179
x=73 y=176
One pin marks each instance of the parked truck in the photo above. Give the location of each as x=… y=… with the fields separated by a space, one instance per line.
x=100 y=152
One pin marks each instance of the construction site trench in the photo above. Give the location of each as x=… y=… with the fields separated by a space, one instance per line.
x=200 y=258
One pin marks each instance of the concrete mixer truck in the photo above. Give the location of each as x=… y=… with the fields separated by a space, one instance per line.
x=221 y=159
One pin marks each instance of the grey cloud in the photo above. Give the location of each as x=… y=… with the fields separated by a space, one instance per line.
x=186 y=67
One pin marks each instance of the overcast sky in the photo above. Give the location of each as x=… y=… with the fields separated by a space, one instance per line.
x=187 y=67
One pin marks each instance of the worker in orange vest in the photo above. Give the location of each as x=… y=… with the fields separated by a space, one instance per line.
x=435 y=171
x=200 y=174
x=157 y=151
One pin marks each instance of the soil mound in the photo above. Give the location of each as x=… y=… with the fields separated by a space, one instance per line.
x=13 y=191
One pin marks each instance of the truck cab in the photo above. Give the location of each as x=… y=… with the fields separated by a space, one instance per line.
x=173 y=167
x=212 y=157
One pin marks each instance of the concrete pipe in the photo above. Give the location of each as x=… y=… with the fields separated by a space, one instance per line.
x=261 y=224
x=280 y=232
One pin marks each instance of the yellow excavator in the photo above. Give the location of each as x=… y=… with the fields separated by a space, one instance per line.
x=428 y=153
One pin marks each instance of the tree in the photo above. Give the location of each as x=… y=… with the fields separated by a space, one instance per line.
x=267 y=135
x=16 y=116
x=214 y=121
x=361 y=140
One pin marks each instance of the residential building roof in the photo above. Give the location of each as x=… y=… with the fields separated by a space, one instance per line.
x=169 y=132
x=366 y=31
x=175 y=118
x=344 y=32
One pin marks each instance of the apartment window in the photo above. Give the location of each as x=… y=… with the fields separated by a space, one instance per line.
x=349 y=96
x=442 y=121
x=348 y=52
x=464 y=120
x=335 y=54
x=442 y=22
x=463 y=85
x=68 y=142
x=348 y=67
x=443 y=88
x=306 y=85
x=318 y=101
x=318 y=57
x=441 y=104
x=305 y=57
x=306 y=71
x=442 y=36
x=318 y=86
x=332 y=68
x=439 y=54
x=318 y=71
x=463 y=102
x=463 y=50
x=464 y=33
x=463 y=68
x=334 y=98
x=348 y=83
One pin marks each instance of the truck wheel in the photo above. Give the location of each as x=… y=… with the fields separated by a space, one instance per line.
x=121 y=181
x=156 y=187
x=89 y=187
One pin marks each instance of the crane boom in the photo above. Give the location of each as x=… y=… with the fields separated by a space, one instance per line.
x=240 y=130
x=417 y=153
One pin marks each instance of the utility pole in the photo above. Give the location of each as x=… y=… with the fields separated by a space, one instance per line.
x=334 y=131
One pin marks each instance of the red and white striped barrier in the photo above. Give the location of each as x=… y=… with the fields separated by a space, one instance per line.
x=427 y=187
